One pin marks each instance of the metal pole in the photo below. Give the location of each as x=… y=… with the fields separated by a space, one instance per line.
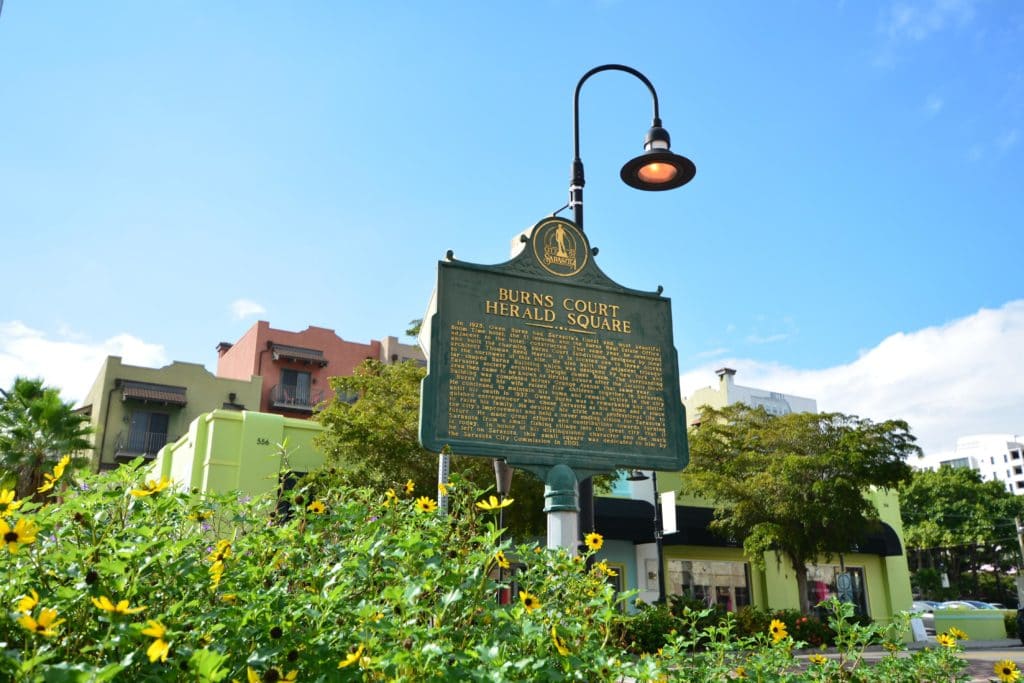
x=658 y=535
x=586 y=486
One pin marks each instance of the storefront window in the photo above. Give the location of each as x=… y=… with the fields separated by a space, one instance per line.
x=726 y=584
x=829 y=580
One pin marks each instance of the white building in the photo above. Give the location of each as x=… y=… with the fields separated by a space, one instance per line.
x=728 y=392
x=998 y=457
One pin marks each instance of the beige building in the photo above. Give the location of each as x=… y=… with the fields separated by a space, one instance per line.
x=134 y=410
x=728 y=392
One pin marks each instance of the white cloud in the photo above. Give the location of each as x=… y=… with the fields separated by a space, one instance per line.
x=1008 y=140
x=964 y=377
x=243 y=308
x=66 y=361
x=917 y=21
x=933 y=104
x=767 y=339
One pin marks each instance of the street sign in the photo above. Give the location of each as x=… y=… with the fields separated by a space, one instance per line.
x=544 y=360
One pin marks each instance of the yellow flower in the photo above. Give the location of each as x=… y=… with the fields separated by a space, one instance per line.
x=159 y=648
x=957 y=633
x=216 y=572
x=22 y=533
x=502 y=561
x=271 y=675
x=946 y=640
x=492 y=504
x=46 y=624
x=817 y=659
x=152 y=486
x=424 y=504
x=389 y=497
x=777 y=629
x=409 y=487
x=58 y=469
x=104 y=603
x=7 y=502
x=229 y=598
x=594 y=541
x=1007 y=671
x=530 y=602
x=559 y=643
x=27 y=603
x=48 y=481
x=741 y=672
x=221 y=552
x=316 y=507
x=352 y=657
x=603 y=568
x=442 y=488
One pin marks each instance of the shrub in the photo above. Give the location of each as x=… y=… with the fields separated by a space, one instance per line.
x=119 y=578
x=647 y=630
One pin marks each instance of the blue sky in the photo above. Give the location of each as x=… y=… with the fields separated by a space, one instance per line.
x=172 y=172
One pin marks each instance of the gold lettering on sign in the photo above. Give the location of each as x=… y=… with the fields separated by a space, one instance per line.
x=546 y=387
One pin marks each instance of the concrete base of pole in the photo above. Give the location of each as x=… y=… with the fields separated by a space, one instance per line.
x=564 y=530
x=561 y=495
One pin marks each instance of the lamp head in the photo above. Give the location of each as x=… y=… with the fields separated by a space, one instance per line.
x=637 y=475
x=658 y=168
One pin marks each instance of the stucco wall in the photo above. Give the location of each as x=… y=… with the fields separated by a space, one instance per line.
x=110 y=415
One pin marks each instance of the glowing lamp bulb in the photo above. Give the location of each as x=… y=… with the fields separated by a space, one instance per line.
x=657 y=173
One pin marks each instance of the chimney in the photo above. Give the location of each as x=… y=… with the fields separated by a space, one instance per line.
x=222 y=348
x=725 y=376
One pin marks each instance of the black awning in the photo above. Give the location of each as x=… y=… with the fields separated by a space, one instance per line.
x=624 y=519
x=148 y=392
x=298 y=354
x=694 y=529
x=881 y=539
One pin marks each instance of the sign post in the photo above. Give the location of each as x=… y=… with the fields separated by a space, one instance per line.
x=545 y=362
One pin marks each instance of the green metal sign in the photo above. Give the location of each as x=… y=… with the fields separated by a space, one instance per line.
x=544 y=360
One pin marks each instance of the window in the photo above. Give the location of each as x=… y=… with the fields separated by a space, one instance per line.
x=296 y=386
x=726 y=584
x=828 y=580
x=1014 y=455
x=1018 y=469
x=1020 y=484
x=147 y=432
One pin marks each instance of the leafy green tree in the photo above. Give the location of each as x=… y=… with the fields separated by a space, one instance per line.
x=371 y=434
x=36 y=429
x=795 y=483
x=414 y=327
x=954 y=522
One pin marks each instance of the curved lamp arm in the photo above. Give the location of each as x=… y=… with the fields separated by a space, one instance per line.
x=656 y=169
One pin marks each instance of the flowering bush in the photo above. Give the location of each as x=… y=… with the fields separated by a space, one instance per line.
x=124 y=576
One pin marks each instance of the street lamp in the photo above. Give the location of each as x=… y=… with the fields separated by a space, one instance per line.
x=656 y=169
x=637 y=475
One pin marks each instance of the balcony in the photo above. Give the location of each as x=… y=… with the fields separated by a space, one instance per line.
x=294 y=398
x=138 y=443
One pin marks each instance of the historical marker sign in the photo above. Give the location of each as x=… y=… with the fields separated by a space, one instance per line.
x=544 y=360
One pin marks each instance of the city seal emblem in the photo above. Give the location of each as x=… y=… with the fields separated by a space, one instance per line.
x=559 y=247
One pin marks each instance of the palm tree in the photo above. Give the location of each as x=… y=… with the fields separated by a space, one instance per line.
x=36 y=427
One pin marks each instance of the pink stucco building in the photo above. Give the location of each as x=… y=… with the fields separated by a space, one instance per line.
x=295 y=366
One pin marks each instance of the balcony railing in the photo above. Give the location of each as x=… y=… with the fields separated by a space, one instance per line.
x=289 y=397
x=136 y=443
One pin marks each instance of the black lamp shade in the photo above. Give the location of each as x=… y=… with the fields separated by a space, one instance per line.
x=658 y=169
